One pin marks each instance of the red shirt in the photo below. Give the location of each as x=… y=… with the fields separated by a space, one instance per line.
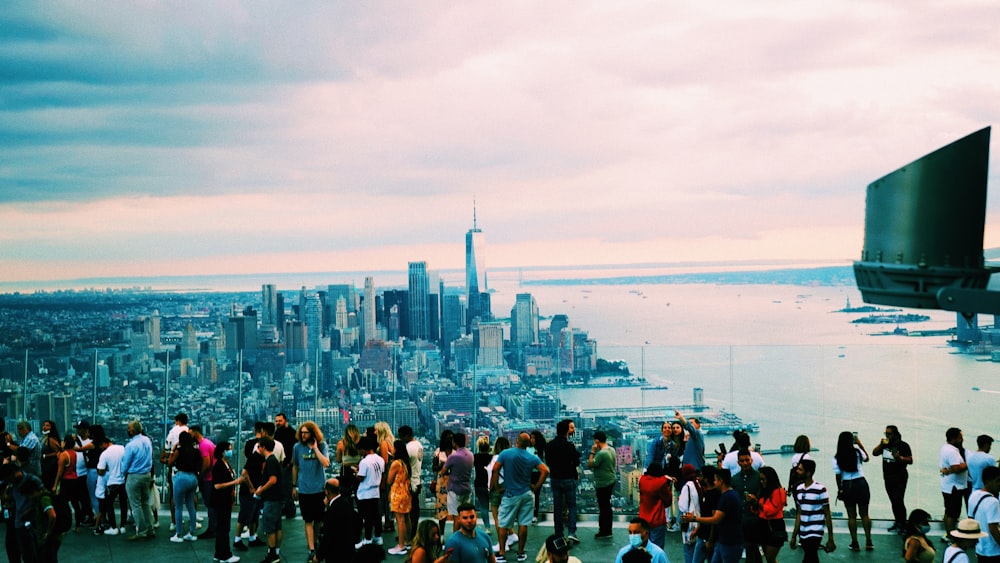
x=654 y=498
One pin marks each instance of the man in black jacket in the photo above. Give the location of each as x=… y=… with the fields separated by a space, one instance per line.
x=564 y=461
x=341 y=525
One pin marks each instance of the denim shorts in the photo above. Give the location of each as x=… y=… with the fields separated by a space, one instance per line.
x=270 y=516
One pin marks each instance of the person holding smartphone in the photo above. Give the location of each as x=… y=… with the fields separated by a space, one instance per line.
x=310 y=458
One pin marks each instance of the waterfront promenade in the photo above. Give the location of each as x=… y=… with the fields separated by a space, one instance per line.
x=87 y=548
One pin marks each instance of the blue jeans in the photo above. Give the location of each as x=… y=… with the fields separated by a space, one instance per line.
x=185 y=484
x=701 y=552
x=689 y=552
x=725 y=553
x=564 y=497
x=658 y=534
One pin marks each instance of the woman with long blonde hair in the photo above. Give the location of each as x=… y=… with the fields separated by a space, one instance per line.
x=426 y=546
x=386 y=449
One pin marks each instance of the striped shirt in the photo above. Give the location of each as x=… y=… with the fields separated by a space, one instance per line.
x=812 y=502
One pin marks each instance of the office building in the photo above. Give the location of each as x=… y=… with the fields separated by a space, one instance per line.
x=419 y=302
x=368 y=309
x=475 y=271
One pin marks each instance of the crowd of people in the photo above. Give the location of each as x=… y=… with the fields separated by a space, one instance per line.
x=722 y=511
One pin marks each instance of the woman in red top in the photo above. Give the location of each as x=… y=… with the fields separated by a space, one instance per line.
x=655 y=497
x=770 y=508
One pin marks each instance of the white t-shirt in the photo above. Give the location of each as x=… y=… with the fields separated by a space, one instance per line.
x=111 y=463
x=370 y=470
x=951 y=456
x=689 y=502
x=850 y=475
x=955 y=555
x=985 y=508
x=415 y=450
x=174 y=435
x=81 y=460
x=731 y=461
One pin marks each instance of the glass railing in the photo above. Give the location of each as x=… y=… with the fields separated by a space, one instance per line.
x=777 y=392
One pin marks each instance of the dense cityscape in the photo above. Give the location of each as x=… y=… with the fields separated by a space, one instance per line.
x=426 y=355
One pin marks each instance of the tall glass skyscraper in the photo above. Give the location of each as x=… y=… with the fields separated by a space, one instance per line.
x=419 y=301
x=475 y=271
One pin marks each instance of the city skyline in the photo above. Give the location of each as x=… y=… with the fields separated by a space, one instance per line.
x=165 y=139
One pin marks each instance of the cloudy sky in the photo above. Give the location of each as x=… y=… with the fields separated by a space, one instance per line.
x=155 y=138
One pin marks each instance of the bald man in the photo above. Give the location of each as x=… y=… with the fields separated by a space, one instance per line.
x=340 y=526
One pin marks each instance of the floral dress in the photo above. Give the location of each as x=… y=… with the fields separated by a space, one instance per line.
x=399 y=490
x=441 y=495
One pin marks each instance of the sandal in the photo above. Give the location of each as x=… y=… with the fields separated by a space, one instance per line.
x=854 y=547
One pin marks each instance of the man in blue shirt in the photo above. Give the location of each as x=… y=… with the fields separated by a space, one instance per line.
x=517 y=507
x=638 y=539
x=466 y=545
x=137 y=465
x=694 y=450
x=29 y=441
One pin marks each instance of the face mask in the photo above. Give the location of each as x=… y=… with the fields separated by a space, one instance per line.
x=925 y=528
x=45 y=432
x=635 y=540
x=229 y=453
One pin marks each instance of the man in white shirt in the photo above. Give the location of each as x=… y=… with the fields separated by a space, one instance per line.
x=109 y=469
x=954 y=477
x=985 y=508
x=370 y=470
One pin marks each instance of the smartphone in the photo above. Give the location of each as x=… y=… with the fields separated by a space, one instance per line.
x=855 y=436
x=448 y=552
x=722 y=448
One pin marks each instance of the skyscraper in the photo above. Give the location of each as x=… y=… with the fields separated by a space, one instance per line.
x=368 y=310
x=419 y=301
x=269 y=311
x=475 y=270
x=524 y=321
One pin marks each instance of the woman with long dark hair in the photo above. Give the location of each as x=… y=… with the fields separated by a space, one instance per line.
x=186 y=461
x=917 y=548
x=852 y=487
x=446 y=445
x=770 y=508
x=538 y=448
x=51 y=448
x=224 y=482
x=399 y=495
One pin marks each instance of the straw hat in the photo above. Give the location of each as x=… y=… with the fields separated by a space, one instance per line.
x=967 y=529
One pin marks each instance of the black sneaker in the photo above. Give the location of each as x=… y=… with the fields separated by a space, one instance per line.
x=603 y=535
x=256 y=542
x=240 y=546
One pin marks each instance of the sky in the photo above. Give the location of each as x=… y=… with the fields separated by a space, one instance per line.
x=158 y=138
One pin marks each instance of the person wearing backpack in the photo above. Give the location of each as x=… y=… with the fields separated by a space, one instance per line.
x=985 y=508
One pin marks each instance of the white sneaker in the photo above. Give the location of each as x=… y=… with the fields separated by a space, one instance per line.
x=511 y=540
x=189 y=537
x=176 y=539
x=496 y=548
x=397 y=550
x=111 y=532
x=233 y=559
x=173 y=526
x=378 y=540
